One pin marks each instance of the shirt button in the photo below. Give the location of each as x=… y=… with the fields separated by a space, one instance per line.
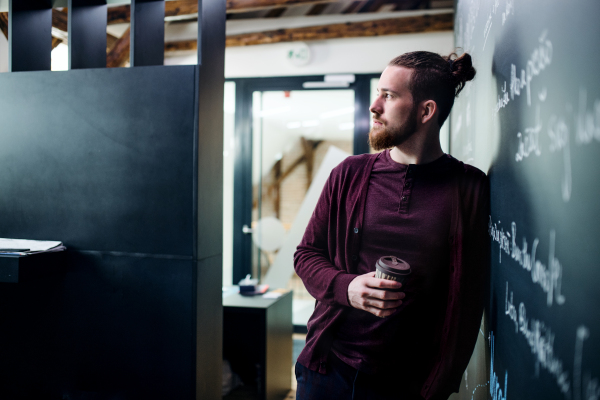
x=403 y=198
x=407 y=184
x=355 y=230
x=354 y=257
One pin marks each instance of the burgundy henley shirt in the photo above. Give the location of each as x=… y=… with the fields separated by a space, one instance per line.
x=435 y=216
x=407 y=215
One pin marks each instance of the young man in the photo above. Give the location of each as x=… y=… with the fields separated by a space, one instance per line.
x=366 y=340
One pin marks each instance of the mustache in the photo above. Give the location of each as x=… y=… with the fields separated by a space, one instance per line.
x=375 y=117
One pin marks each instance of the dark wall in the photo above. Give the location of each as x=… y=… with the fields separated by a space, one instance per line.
x=101 y=159
x=105 y=161
x=531 y=119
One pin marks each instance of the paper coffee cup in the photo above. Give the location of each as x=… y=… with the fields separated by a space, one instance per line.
x=392 y=268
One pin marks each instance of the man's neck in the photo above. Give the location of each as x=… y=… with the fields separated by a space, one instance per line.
x=419 y=149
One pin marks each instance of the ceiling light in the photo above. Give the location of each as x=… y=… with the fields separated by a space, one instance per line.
x=335 y=113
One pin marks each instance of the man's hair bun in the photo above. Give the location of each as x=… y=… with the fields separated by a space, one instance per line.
x=462 y=70
x=436 y=77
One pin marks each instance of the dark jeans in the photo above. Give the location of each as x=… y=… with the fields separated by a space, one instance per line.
x=346 y=383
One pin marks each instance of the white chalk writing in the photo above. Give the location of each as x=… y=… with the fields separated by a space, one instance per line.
x=548 y=277
x=500 y=237
x=584 y=386
x=503 y=99
x=558 y=131
x=588 y=122
x=477 y=387
x=510 y=9
x=540 y=58
x=486 y=31
x=530 y=142
x=540 y=339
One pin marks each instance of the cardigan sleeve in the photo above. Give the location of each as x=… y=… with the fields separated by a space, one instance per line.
x=469 y=273
x=313 y=262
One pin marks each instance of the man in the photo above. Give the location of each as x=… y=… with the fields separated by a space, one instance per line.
x=371 y=338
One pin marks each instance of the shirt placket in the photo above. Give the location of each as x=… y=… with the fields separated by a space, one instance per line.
x=406 y=190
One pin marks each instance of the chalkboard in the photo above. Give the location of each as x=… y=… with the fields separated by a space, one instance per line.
x=531 y=120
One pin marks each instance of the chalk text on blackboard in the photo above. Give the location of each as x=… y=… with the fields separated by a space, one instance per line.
x=510 y=9
x=530 y=142
x=548 y=276
x=486 y=31
x=558 y=132
x=503 y=98
x=588 y=122
x=540 y=339
x=495 y=388
x=540 y=58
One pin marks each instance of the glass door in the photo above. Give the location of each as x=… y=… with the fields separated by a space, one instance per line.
x=292 y=132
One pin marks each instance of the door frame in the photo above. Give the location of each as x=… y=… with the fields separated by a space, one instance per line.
x=242 y=178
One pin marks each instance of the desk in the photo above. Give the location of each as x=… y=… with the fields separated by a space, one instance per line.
x=257 y=341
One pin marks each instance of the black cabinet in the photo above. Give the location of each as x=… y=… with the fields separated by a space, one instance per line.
x=257 y=341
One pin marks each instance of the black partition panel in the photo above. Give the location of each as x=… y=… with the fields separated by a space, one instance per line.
x=30 y=35
x=101 y=159
x=531 y=119
x=87 y=33
x=109 y=327
x=147 y=32
x=124 y=166
x=104 y=161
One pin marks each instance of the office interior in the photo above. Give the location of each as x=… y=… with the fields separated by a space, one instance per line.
x=200 y=166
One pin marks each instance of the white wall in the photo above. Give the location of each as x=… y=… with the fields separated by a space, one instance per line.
x=352 y=55
x=3 y=54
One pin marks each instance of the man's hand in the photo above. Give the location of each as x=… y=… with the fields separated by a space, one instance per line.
x=368 y=293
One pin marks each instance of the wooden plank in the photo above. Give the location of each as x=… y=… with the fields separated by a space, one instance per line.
x=60 y=19
x=119 y=54
x=181 y=7
x=4 y=24
x=237 y=6
x=55 y=42
x=382 y=27
x=118 y=15
x=110 y=42
x=183 y=45
x=122 y=14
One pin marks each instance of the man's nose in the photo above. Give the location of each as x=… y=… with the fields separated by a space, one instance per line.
x=376 y=107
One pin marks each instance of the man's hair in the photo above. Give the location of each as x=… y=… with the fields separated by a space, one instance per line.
x=436 y=78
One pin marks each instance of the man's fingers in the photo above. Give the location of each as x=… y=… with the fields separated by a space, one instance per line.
x=384 y=294
x=382 y=283
x=383 y=305
x=379 y=312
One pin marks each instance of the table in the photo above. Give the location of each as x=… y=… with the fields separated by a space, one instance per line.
x=257 y=341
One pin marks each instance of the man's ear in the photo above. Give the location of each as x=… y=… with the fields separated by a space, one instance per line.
x=428 y=111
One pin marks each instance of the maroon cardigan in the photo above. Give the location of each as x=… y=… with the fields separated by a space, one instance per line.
x=327 y=257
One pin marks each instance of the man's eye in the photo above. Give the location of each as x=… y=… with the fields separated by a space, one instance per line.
x=388 y=96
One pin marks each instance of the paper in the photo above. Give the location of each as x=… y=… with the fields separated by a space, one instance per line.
x=25 y=247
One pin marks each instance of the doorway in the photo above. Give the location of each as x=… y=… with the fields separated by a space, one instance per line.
x=283 y=130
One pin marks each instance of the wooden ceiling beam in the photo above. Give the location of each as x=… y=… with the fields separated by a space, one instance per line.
x=122 y=14
x=119 y=54
x=55 y=42
x=60 y=19
x=4 y=24
x=380 y=27
x=239 y=6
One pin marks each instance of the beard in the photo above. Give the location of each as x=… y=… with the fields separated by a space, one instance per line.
x=386 y=137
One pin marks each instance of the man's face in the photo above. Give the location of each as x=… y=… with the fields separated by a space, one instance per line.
x=394 y=112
